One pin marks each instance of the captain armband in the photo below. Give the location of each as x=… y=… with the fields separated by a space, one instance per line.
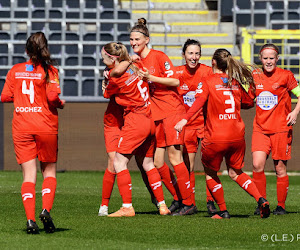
x=296 y=91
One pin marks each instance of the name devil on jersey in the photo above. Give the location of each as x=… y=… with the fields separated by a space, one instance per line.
x=227 y=116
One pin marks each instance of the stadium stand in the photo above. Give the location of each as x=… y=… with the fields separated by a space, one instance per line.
x=262 y=21
x=76 y=30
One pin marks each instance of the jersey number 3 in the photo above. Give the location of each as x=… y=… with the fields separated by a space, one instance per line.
x=29 y=91
x=229 y=101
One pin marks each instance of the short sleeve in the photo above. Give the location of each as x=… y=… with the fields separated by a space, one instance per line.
x=53 y=81
x=292 y=82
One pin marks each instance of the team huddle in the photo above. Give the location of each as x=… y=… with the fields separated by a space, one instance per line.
x=156 y=108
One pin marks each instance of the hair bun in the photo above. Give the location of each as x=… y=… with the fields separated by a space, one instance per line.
x=142 y=21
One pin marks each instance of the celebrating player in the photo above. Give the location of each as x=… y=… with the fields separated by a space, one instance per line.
x=223 y=96
x=167 y=109
x=33 y=87
x=190 y=76
x=272 y=126
x=137 y=133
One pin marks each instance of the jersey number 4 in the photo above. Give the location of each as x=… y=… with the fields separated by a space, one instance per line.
x=29 y=91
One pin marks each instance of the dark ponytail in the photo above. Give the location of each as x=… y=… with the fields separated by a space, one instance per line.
x=37 y=50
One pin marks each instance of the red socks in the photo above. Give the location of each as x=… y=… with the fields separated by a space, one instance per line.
x=259 y=179
x=248 y=185
x=169 y=180
x=28 y=197
x=282 y=190
x=155 y=183
x=107 y=186
x=184 y=184
x=124 y=185
x=216 y=189
x=208 y=195
x=48 y=192
x=193 y=183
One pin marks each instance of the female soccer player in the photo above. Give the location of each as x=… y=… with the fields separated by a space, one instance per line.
x=272 y=126
x=113 y=122
x=223 y=96
x=33 y=87
x=137 y=133
x=167 y=109
x=190 y=75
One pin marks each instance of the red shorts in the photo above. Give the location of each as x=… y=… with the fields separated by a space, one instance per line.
x=191 y=139
x=165 y=133
x=28 y=147
x=111 y=138
x=280 y=144
x=135 y=133
x=213 y=153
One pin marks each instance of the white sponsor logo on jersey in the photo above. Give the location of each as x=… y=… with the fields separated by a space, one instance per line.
x=259 y=86
x=46 y=191
x=189 y=98
x=167 y=65
x=266 y=100
x=188 y=184
x=184 y=87
x=27 y=196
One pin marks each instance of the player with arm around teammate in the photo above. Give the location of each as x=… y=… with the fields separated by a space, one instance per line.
x=167 y=109
x=190 y=75
x=137 y=133
x=33 y=87
x=273 y=122
x=223 y=97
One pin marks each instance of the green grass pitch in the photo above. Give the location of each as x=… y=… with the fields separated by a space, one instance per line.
x=79 y=227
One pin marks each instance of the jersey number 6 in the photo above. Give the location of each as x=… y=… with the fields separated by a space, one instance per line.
x=143 y=91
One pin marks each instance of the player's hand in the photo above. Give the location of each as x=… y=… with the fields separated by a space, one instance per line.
x=104 y=85
x=135 y=58
x=106 y=73
x=179 y=126
x=292 y=118
x=144 y=74
x=62 y=104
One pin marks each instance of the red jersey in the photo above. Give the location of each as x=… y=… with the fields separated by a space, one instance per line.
x=113 y=116
x=165 y=100
x=188 y=88
x=223 y=122
x=27 y=86
x=273 y=100
x=130 y=92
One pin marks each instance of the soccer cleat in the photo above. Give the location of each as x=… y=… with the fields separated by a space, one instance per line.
x=257 y=211
x=279 y=210
x=221 y=215
x=185 y=210
x=47 y=221
x=103 y=211
x=163 y=209
x=211 y=209
x=123 y=212
x=32 y=227
x=174 y=206
x=264 y=207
